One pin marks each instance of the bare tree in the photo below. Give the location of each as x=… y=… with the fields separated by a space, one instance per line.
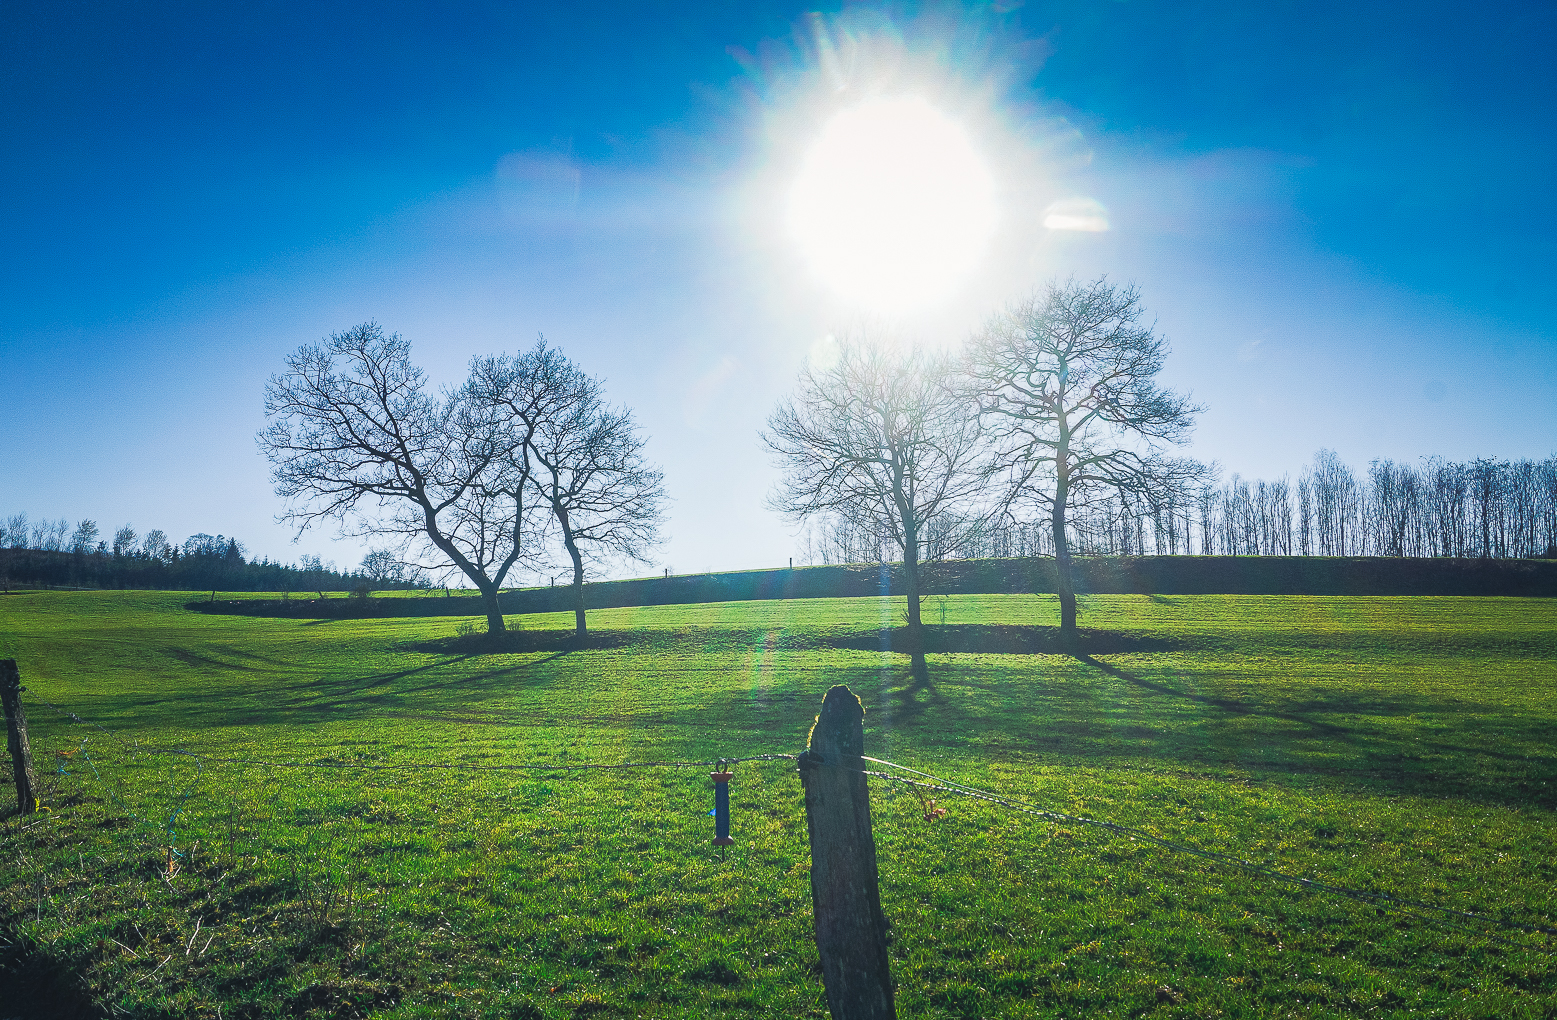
x=355 y=437
x=155 y=545
x=880 y=440
x=581 y=458
x=1338 y=507
x=85 y=537
x=1546 y=479
x=124 y=541
x=1486 y=483
x=383 y=566
x=1394 y=508
x=16 y=531
x=1065 y=382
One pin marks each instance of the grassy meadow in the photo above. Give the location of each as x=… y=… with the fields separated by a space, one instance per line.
x=1404 y=745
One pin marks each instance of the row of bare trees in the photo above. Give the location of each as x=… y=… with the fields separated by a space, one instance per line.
x=523 y=463
x=18 y=532
x=32 y=554
x=131 y=560
x=46 y=535
x=1484 y=508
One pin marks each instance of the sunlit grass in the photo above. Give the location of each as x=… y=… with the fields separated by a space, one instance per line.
x=1398 y=744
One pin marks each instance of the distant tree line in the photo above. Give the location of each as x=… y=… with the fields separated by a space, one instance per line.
x=1485 y=508
x=52 y=552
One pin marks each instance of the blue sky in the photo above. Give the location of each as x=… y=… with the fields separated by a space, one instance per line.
x=1340 y=215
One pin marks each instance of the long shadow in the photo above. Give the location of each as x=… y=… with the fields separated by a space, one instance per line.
x=475 y=681
x=1028 y=709
x=1004 y=639
x=331 y=699
x=1226 y=704
x=376 y=693
x=189 y=658
x=1234 y=706
x=378 y=679
x=1032 y=719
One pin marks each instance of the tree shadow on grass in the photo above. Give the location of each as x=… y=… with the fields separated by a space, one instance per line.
x=1177 y=715
x=382 y=693
x=35 y=982
x=1053 y=714
x=1300 y=716
x=914 y=690
x=1231 y=705
x=522 y=642
x=338 y=697
x=1007 y=639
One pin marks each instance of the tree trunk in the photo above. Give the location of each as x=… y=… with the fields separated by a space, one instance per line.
x=917 y=663
x=1062 y=564
x=489 y=594
x=580 y=625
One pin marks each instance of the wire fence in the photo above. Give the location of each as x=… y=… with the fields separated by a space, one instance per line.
x=1434 y=913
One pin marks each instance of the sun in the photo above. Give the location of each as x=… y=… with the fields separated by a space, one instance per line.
x=893 y=206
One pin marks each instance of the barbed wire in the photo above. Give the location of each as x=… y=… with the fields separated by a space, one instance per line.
x=73 y=717
x=932 y=782
x=468 y=766
x=409 y=766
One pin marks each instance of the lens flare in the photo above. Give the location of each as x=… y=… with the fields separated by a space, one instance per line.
x=893 y=206
x=1083 y=214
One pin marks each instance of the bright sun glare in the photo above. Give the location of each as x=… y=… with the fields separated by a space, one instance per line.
x=893 y=206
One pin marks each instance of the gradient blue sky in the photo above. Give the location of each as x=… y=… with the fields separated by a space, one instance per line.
x=1341 y=215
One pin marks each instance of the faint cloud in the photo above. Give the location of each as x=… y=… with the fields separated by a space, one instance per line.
x=1032 y=54
x=1250 y=349
x=531 y=184
x=1083 y=214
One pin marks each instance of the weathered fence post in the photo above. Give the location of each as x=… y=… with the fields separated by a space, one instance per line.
x=851 y=932
x=16 y=737
x=722 y=806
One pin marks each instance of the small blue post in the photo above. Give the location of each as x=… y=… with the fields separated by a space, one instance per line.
x=722 y=807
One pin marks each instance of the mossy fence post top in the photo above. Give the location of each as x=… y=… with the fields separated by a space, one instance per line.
x=851 y=931
x=16 y=737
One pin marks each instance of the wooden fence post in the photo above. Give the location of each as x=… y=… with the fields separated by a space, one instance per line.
x=851 y=932
x=16 y=737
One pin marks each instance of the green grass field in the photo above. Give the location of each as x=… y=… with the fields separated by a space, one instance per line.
x=1404 y=745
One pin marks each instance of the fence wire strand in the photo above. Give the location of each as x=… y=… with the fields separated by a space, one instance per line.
x=932 y=782
x=412 y=766
x=925 y=781
x=466 y=766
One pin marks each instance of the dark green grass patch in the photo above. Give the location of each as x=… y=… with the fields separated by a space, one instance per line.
x=1399 y=745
